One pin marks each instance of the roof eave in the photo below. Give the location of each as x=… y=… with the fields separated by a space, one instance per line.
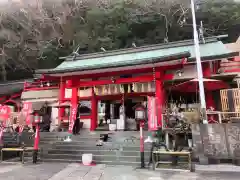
x=146 y=61
x=142 y=48
x=220 y=56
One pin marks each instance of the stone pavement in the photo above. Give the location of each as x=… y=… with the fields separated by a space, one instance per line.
x=61 y=171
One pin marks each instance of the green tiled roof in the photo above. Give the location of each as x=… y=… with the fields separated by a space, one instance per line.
x=212 y=49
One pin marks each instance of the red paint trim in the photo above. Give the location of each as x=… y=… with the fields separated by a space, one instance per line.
x=84 y=98
x=168 y=77
x=84 y=117
x=16 y=95
x=231 y=70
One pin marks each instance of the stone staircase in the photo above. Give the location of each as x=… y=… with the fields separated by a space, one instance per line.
x=121 y=149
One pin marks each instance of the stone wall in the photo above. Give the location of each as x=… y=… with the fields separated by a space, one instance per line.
x=219 y=141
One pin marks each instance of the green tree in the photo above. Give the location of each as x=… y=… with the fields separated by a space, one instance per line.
x=36 y=33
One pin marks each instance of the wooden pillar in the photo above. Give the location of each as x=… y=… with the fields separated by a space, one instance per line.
x=94 y=103
x=61 y=100
x=159 y=96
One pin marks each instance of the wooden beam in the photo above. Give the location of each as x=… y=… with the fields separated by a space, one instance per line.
x=139 y=79
x=146 y=78
x=117 y=73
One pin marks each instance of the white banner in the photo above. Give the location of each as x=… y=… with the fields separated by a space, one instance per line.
x=152 y=116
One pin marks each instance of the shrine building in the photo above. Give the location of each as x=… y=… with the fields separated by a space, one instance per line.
x=98 y=85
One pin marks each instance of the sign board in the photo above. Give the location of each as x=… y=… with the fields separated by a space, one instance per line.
x=72 y=117
x=4 y=116
x=214 y=140
x=68 y=93
x=152 y=115
x=86 y=104
x=233 y=138
x=4 y=112
x=27 y=109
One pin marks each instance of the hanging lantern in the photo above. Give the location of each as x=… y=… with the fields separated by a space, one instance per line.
x=37 y=119
x=109 y=89
x=149 y=87
x=142 y=87
x=129 y=88
x=140 y=113
x=121 y=88
x=95 y=89
x=134 y=87
x=115 y=89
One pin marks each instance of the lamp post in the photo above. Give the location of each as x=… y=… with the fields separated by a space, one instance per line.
x=199 y=66
x=37 y=121
x=140 y=115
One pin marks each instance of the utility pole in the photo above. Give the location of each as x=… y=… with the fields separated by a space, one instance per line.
x=199 y=66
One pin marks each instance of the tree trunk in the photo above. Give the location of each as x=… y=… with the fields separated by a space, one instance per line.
x=3 y=68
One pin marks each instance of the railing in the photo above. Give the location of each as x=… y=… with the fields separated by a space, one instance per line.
x=40 y=85
x=230 y=66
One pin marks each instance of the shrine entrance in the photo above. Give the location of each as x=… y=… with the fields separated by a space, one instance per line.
x=119 y=114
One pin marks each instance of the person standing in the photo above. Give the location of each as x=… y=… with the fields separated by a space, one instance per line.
x=76 y=126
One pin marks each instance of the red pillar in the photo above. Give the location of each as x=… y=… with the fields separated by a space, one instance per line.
x=206 y=69
x=61 y=100
x=74 y=105
x=94 y=103
x=159 y=96
x=210 y=103
x=210 y=100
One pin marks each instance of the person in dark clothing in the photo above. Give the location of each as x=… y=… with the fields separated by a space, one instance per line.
x=76 y=126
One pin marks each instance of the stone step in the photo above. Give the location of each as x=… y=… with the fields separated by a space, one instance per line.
x=92 y=139
x=134 y=164
x=93 y=143
x=87 y=135
x=96 y=152
x=97 y=158
x=109 y=147
x=106 y=154
x=106 y=158
x=93 y=135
